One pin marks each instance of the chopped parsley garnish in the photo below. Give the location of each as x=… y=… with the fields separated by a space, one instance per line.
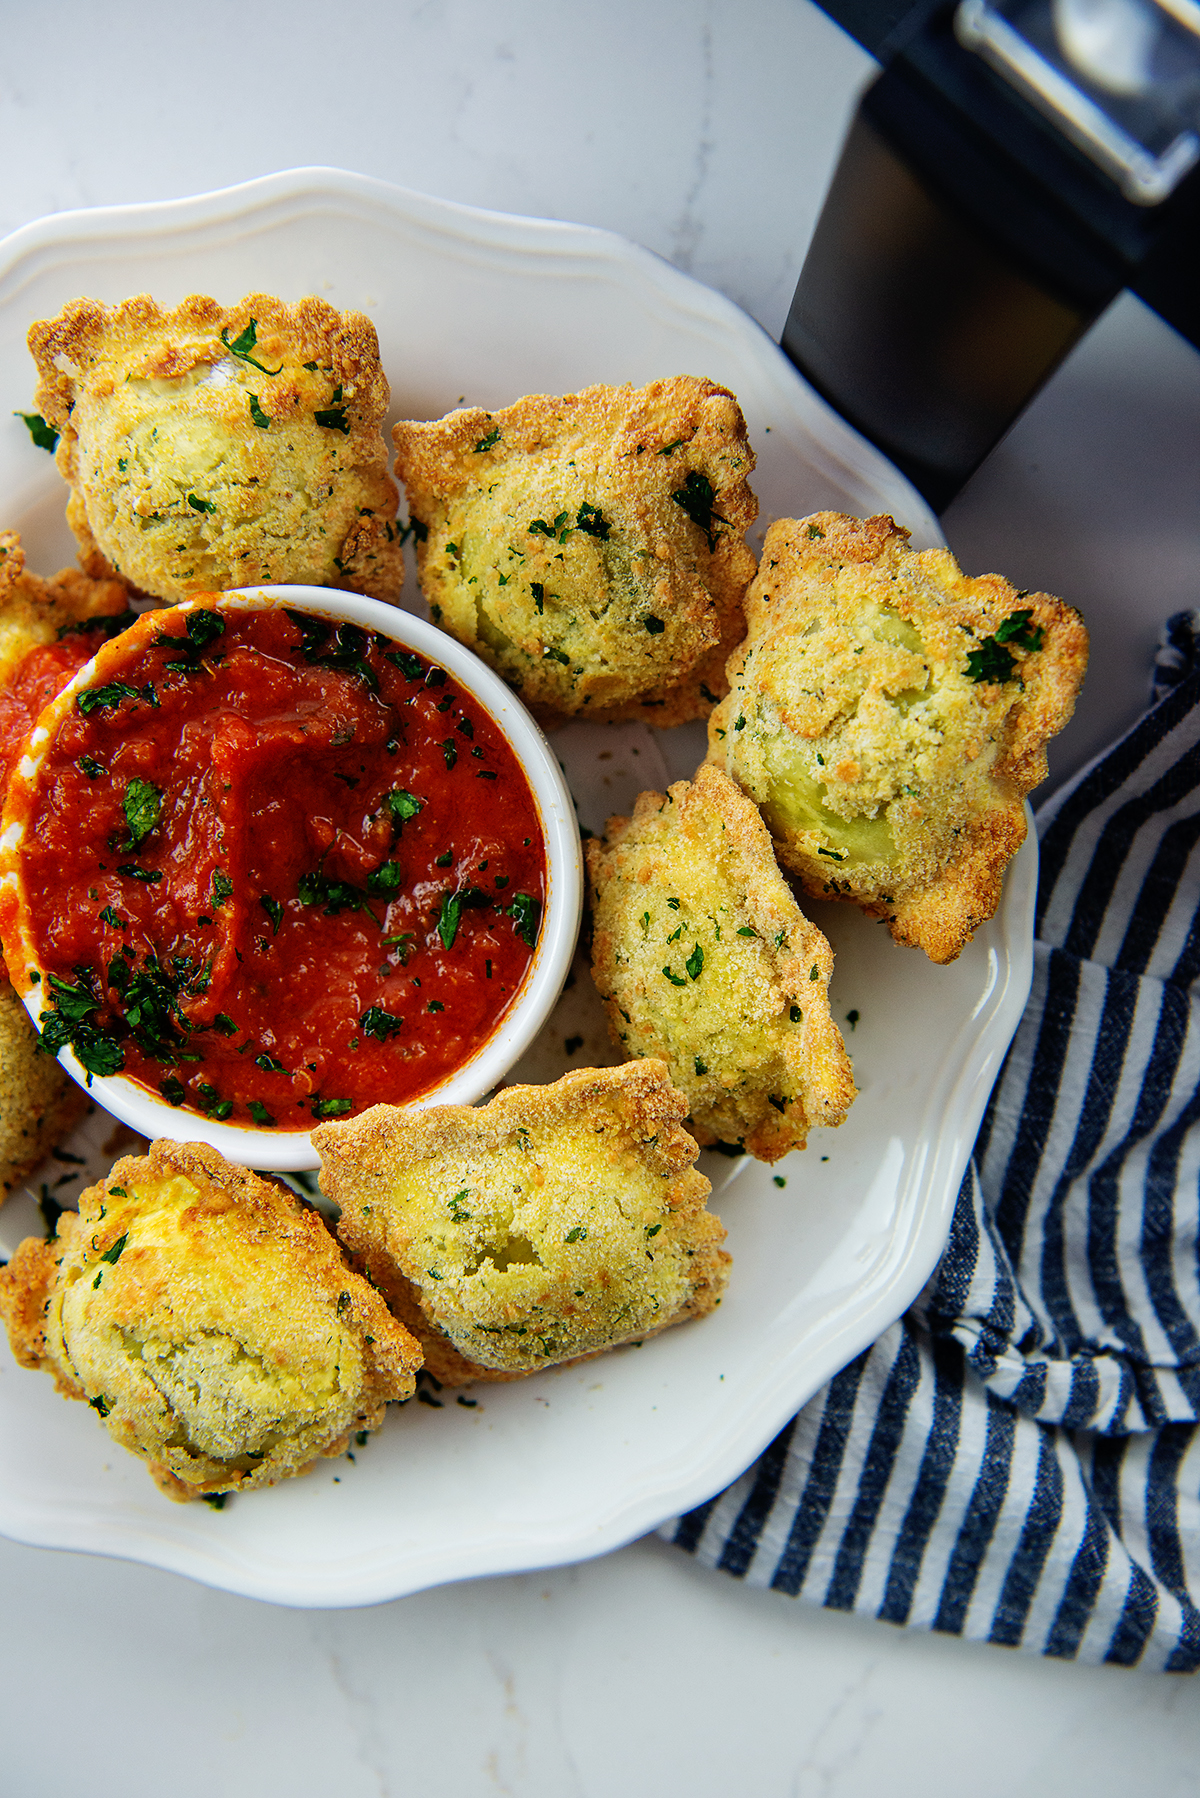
x=334 y=419
x=273 y=910
x=71 y=1025
x=200 y=505
x=149 y=1002
x=242 y=345
x=384 y=881
x=695 y=962
x=259 y=1112
x=214 y=1105
x=592 y=520
x=539 y=594
x=990 y=662
x=44 y=435
x=148 y=876
x=201 y=628
x=655 y=626
x=402 y=944
x=450 y=751
x=814 y=530
x=526 y=913
x=346 y=652
x=269 y=1064
x=91 y=767
x=1016 y=629
x=96 y=699
x=795 y=1014
x=833 y=854
x=142 y=806
x=539 y=528
x=257 y=414
x=100 y=1403
x=402 y=805
x=109 y=916
x=334 y=895
x=700 y=1066
x=379 y=1023
x=410 y=665
x=549 y=653
x=222 y=887
x=675 y=444
x=578 y=1234
x=488 y=442
x=173 y=1090
x=675 y=979
x=451 y=909
x=697 y=496
x=225 y=1024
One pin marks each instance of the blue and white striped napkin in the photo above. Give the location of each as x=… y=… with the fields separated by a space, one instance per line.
x=1017 y=1459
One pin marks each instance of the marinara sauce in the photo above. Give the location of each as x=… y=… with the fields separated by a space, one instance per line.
x=276 y=868
x=43 y=672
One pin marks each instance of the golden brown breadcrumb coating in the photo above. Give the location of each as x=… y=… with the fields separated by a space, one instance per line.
x=590 y=546
x=210 y=447
x=34 y=612
x=39 y=1103
x=889 y=714
x=703 y=957
x=550 y=1224
x=211 y=1321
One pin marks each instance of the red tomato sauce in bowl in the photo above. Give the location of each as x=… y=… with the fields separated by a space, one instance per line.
x=43 y=672
x=273 y=867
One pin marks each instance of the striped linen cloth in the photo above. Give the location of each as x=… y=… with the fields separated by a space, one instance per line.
x=1017 y=1459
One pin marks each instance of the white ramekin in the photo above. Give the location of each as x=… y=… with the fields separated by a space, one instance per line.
x=283 y=1150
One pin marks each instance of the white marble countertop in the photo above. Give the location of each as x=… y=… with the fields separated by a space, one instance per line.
x=706 y=133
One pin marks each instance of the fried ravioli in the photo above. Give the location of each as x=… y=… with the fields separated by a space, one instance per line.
x=211 y=1321
x=39 y=1103
x=590 y=546
x=208 y=448
x=889 y=714
x=552 y=1223
x=703 y=957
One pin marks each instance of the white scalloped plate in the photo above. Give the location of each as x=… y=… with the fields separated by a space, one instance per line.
x=478 y=307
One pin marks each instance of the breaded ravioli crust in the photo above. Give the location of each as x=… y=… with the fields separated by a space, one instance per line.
x=209 y=447
x=211 y=1321
x=34 y=612
x=39 y=1103
x=590 y=546
x=703 y=957
x=889 y=714
x=554 y=1222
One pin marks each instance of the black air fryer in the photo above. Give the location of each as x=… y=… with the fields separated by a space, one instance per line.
x=1016 y=164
